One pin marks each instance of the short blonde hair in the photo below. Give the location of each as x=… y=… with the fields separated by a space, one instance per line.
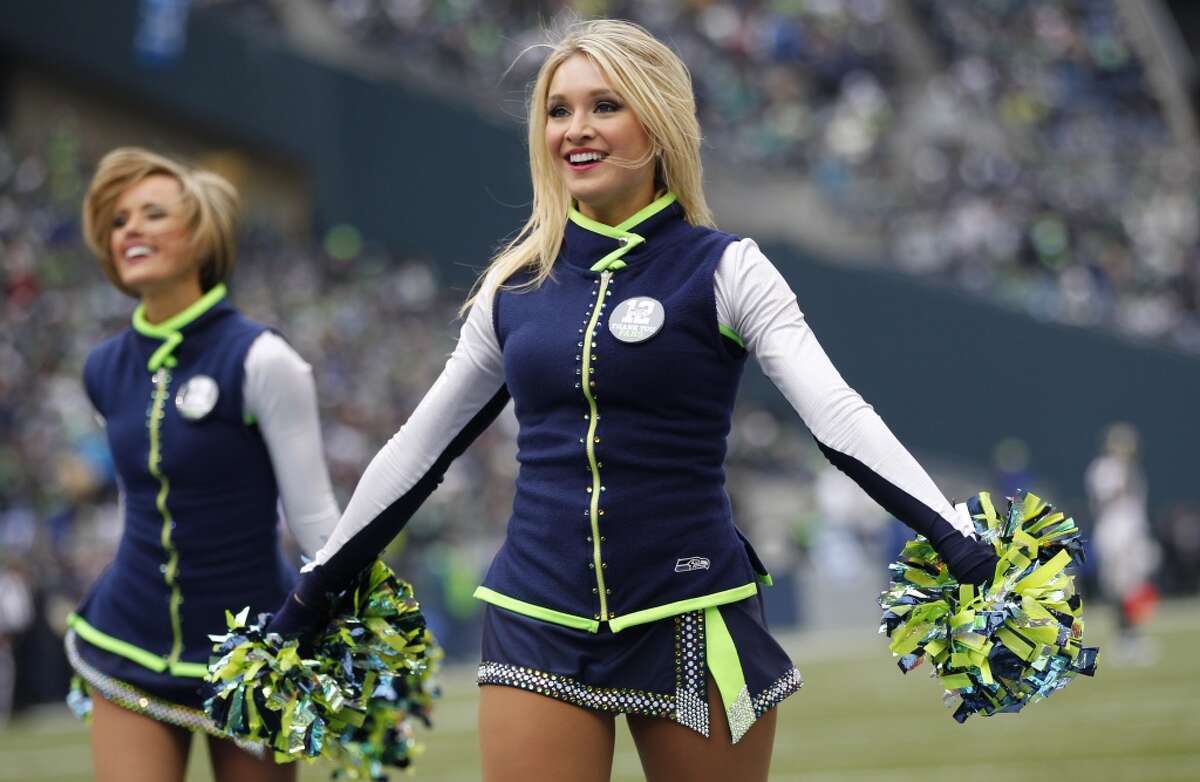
x=658 y=88
x=210 y=208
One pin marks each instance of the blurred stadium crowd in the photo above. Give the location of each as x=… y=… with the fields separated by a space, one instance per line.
x=1013 y=148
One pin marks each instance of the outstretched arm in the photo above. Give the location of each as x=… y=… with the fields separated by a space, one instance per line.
x=756 y=302
x=465 y=399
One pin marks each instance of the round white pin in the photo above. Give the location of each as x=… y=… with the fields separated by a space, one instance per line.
x=637 y=319
x=197 y=397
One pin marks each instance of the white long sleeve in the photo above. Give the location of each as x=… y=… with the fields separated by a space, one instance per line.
x=279 y=393
x=756 y=302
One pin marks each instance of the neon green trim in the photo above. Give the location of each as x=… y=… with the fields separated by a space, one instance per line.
x=590 y=446
x=731 y=334
x=683 y=606
x=178 y=321
x=249 y=420
x=106 y=642
x=766 y=580
x=189 y=670
x=612 y=261
x=536 y=612
x=721 y=655
x=619 y=230
x=169 y=329
x=162 y=382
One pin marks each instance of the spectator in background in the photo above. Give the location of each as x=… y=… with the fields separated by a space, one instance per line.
x=16 y=614
x=211 y=420
x=1128 y=554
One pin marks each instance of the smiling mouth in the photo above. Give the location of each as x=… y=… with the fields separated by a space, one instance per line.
x=584 y=160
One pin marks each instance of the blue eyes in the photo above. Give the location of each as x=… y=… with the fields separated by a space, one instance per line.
x=602 y=107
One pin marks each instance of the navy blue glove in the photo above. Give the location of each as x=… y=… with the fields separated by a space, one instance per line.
x=304 y=613
x=971 y=561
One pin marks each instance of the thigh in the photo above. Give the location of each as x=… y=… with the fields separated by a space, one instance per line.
x=669 y=751
x=131 y=747
x=231 y=763
x=525 y=736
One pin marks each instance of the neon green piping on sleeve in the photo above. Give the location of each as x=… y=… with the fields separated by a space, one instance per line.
x=102 y=640
x=249 y=420
x=536 y=612
x=168 y=330
x=731 y=334
x=162 y=382
x=683 y=606
x=766 y=580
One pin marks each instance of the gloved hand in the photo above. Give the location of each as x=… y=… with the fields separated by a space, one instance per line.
x=303 y=613
x=971 y=561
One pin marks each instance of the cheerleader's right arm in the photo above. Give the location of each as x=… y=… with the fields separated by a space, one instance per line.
x=465 y=399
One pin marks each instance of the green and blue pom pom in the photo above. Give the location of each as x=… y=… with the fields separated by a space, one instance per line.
x=1016 y=641
x=351 y=695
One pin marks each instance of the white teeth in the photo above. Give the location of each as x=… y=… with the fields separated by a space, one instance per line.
x=139 y=251
x=585 y=157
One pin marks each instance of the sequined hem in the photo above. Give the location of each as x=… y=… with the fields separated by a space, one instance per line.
x=129 y=697
x=782 y=687
x=688 y=705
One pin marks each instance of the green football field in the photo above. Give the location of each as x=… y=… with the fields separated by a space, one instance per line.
x=856 y=719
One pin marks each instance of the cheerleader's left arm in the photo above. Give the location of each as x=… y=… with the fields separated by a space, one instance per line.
x=756 y=302
x=280 y=395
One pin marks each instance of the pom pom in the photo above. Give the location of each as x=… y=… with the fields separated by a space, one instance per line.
x=351 y=696
x=1015 y=642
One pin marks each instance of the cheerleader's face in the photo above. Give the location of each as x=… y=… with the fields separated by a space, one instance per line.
x=602 y=151
x=150 y=243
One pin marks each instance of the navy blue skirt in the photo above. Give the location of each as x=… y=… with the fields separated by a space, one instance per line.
x=658 y=669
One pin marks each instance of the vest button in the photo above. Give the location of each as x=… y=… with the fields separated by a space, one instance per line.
x=623 y=241
x=612 y=615
x=591 y=566
x=595 y=616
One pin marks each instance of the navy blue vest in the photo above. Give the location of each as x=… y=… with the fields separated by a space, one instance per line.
x=620 y=513
x=199 y=493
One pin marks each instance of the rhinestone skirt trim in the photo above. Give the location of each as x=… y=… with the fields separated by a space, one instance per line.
x=688 y=705
x=129 y=697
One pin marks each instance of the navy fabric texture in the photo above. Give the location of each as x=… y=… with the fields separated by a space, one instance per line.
x=664 y=407
x=222 y=492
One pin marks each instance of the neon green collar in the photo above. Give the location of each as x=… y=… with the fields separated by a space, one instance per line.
x=622 y=230
x=626 y=238
x=170 y=330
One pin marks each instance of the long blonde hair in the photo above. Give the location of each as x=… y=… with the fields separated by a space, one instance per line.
x=209 y=201
x=656 y=85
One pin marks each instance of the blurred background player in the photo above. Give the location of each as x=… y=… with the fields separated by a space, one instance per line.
x=1128 y=553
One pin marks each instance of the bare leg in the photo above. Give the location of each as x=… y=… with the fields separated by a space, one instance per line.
x=669 y=751
x=131 y=747
x=231 y=763
x=525 y=736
